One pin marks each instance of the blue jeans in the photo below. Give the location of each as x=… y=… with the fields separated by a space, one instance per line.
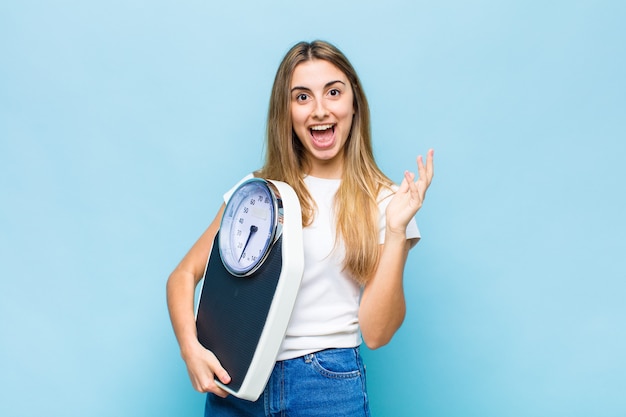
x=322 y=384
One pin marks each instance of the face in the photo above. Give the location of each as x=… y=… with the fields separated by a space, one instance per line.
x=321 y=113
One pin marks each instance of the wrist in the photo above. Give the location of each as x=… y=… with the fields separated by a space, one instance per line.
x=189 y=347
x=395 y=235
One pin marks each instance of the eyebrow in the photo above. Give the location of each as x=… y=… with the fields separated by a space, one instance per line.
x=328 y=84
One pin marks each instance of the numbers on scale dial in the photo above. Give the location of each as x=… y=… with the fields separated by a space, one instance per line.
x=254 y=222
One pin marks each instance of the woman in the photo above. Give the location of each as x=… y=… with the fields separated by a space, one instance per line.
x=358 y=229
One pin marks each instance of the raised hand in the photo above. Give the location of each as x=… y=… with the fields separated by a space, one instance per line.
x=409 y=197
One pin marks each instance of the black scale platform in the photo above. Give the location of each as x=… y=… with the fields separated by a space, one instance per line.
x=232 y=311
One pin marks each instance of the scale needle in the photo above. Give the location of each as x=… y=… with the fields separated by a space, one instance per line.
x=253 y=229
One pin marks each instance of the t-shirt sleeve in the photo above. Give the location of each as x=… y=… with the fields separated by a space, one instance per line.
x=412 y=231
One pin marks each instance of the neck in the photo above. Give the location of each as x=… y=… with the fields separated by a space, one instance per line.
x=327 y=169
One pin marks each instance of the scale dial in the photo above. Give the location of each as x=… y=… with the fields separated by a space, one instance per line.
x=251 y=223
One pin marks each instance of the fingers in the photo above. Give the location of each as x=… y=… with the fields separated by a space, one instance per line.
x=409 y=178
x=412 y=191
x=209 y=385
x=420 y=164
x=430 y=167
x=204 y=369
x=217 y=371
x=426 y=171
x=407 y=181
x=222 y=375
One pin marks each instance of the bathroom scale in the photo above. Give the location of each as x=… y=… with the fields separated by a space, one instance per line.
x=250 y=283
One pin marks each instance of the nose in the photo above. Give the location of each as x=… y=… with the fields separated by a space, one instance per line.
x=319 y=111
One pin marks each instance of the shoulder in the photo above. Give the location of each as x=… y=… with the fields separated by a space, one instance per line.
x=230 y=192
x=385 y=194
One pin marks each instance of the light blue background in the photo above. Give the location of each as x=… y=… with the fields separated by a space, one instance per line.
x=122 y=122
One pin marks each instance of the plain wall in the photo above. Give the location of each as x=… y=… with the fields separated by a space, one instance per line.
x=123 y=122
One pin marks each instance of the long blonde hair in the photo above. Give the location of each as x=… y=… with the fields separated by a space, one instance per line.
x=356 y=202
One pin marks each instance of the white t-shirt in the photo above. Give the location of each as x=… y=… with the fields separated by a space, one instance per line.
x=325 y=314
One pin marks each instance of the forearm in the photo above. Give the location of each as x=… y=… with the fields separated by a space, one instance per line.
x=180 y=303
x=181 y=287
x=383 y=307
x=202 y=365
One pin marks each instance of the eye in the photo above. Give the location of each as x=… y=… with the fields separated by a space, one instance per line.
x=302 y=97
x=334 y=92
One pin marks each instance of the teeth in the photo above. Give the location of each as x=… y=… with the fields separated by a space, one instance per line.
x=321 y=127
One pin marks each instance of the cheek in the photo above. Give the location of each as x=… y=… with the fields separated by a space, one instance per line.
x=345 y=109
x=298 y=119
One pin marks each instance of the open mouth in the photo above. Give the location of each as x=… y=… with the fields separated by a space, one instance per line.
x=322 y=133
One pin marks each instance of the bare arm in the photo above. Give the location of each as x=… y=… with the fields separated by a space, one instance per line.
x=383 y=306
x=202 y=364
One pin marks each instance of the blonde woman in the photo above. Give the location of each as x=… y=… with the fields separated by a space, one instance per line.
x=358 y=230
